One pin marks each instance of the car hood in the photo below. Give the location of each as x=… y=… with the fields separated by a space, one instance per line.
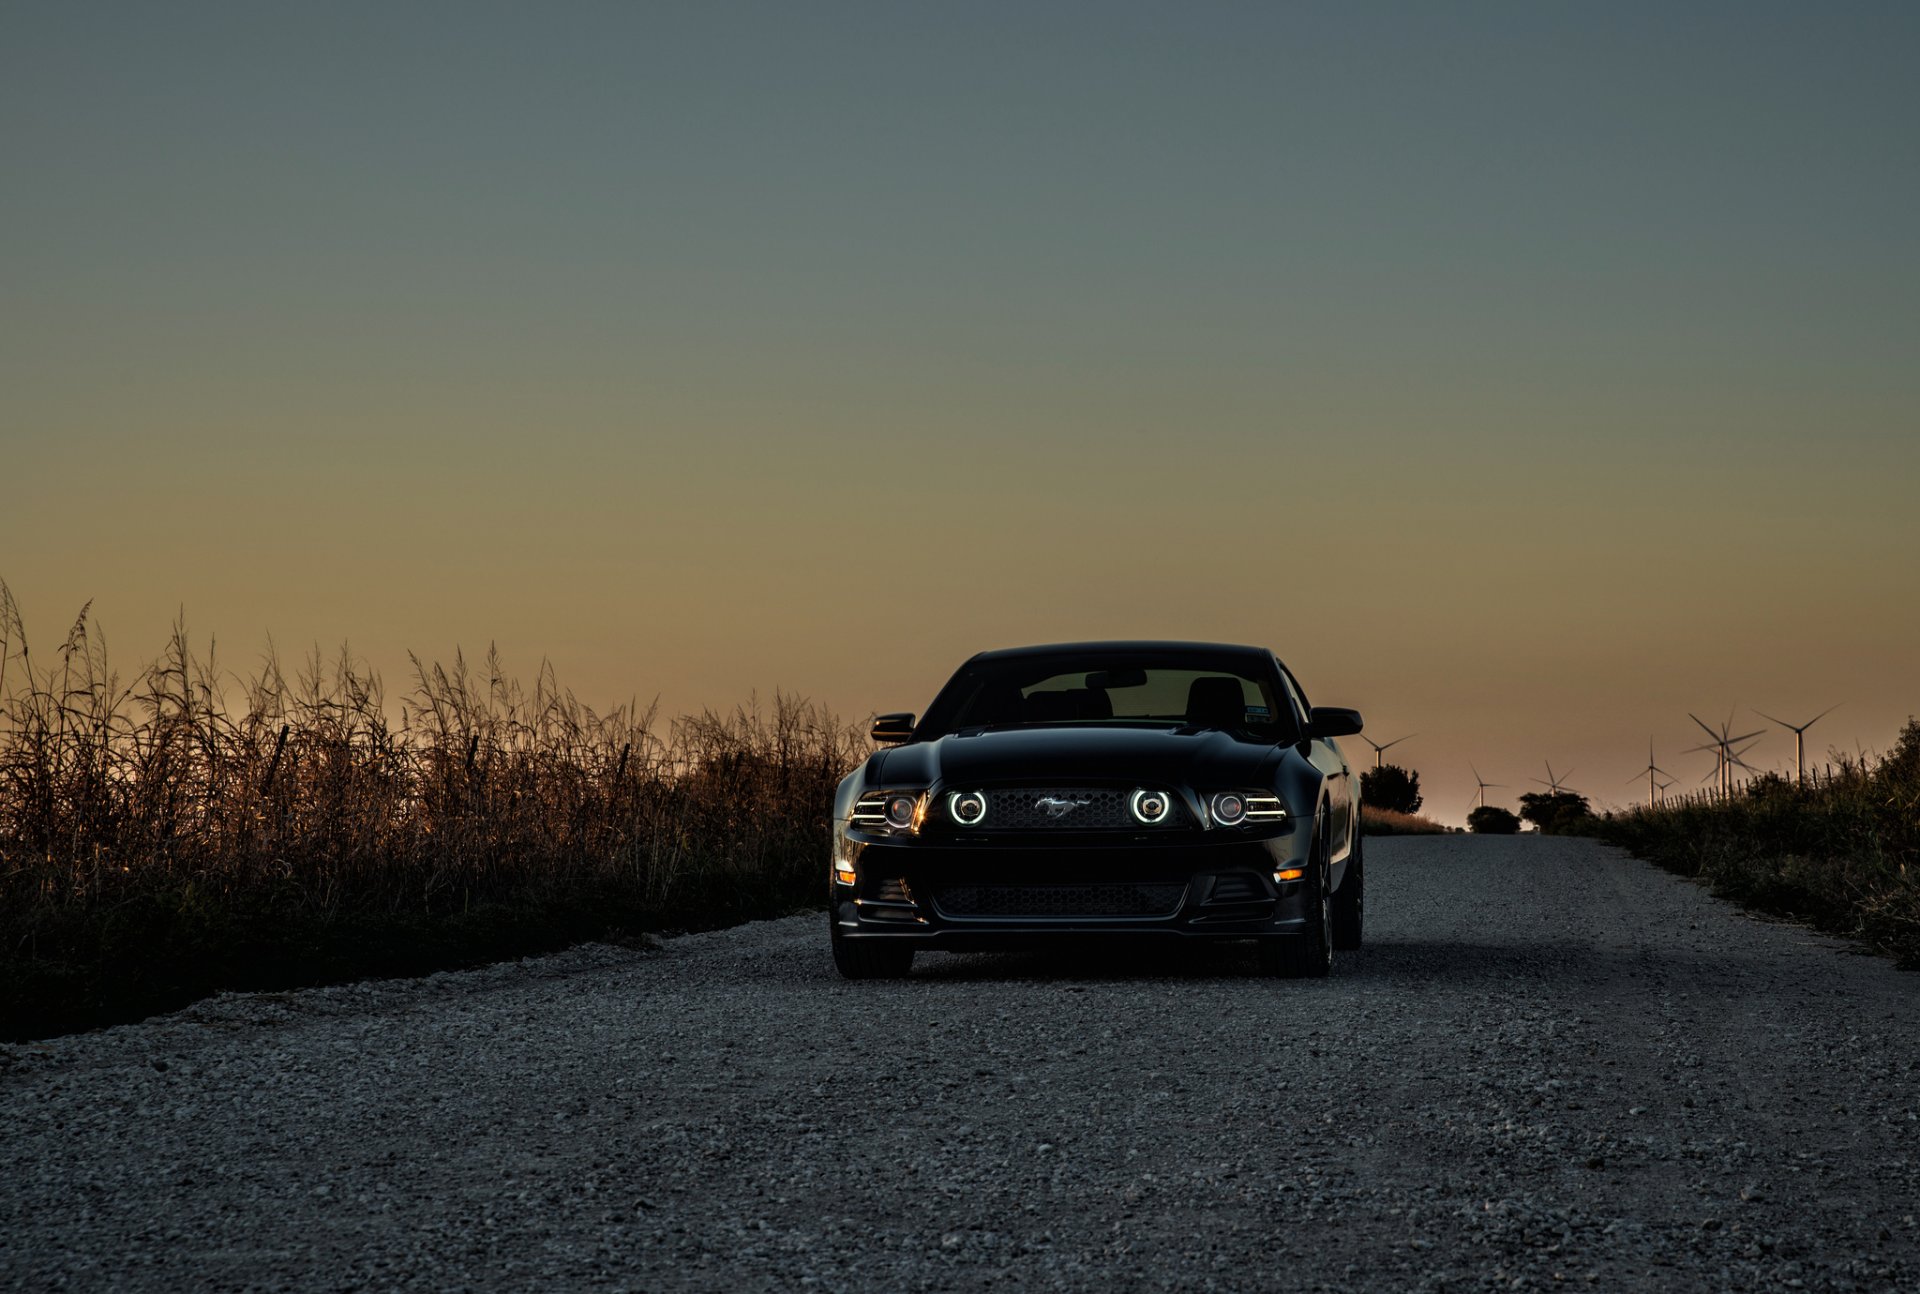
x=1066 y=756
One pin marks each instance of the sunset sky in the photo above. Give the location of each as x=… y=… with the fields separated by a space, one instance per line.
x=1526 y=374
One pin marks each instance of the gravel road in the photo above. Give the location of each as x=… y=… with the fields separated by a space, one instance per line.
x=1552 y=1065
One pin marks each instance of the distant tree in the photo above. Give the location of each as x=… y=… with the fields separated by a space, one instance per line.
x=1391 y=787
x=1492 y=820
x=1556 y=813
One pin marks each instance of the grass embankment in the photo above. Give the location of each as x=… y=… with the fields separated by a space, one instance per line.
x=194 y=831
x=1386 y=822
x=1841 y=853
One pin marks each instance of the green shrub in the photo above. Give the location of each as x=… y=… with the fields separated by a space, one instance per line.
x=1556 y=813
x=1492 y=820
x=1392 y=788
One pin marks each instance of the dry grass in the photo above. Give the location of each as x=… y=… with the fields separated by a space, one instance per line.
x=193 y=829
x=1375 y=821
x=1842 y=853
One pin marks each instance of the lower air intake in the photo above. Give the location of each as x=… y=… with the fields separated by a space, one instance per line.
x=1064 y=902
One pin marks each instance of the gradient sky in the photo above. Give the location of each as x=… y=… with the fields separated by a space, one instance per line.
x=1526 y=374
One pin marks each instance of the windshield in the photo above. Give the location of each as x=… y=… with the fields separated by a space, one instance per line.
x=1026 y=691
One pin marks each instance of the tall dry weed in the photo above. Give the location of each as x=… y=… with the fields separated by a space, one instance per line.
x=205 y=809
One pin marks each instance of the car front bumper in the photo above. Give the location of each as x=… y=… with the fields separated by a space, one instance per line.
x=978 y=894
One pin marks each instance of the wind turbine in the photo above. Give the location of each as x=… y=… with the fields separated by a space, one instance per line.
x=1484 y=785
x=1556 y=785
x=1379 y=750
x=1722 y=745
x=1799 y=732
x=1650 y=770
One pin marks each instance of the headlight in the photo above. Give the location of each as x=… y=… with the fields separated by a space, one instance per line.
x=1246 y=809
x=1151 y=806
x=968 y=808
x=889 y=811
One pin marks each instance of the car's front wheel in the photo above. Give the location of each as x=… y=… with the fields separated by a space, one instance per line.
x=870 y=959
x=1309 y=954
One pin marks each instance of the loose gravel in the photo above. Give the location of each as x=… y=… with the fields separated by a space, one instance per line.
x=1552 y=1065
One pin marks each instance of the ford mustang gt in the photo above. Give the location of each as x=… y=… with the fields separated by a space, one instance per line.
x=1177 y=790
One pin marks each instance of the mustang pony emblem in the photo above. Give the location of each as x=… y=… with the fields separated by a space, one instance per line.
x=1057 y=807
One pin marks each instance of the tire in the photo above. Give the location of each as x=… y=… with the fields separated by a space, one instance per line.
x=1308 y=955
x=865 y=959
x=1349 y=902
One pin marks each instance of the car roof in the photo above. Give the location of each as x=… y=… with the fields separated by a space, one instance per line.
x=1120 y=645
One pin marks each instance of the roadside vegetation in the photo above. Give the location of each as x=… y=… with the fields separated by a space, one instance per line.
x=1390 y=802
x=194 y=830
x=1392 y=788
x=1841 y=852
x=1492 y=820
x=1557 y=813
x=1386 y=822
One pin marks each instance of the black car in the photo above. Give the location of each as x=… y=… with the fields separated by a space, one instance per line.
x=1179 y=790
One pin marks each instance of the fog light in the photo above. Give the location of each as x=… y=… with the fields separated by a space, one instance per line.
x=843 y=873
x=1151 y=806
x=969 y=808
x=1289 y=874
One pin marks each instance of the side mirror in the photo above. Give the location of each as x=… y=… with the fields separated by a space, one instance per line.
x=892 y=729
x=1332 y=721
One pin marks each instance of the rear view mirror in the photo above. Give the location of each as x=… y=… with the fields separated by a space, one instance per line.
x=1332 y=721
x=892 y=729
x=1102 y=680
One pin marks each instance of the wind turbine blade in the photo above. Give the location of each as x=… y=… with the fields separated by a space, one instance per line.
x=1782 y=722
x=1823 y=714
x=1747 y=736
x=1703 y=727
x=1655 y=768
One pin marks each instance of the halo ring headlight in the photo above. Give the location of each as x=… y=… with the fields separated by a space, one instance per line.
x=968 y=808
x=1229 y=808
x=1151 y=807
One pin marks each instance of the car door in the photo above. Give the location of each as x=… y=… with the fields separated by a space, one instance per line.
x=1342 y=807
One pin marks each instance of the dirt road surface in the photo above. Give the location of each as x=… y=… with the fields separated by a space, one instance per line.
x=1552 y=1066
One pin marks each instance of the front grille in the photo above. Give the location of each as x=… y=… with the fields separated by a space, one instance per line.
x=1040 y=899
x=1073 y=808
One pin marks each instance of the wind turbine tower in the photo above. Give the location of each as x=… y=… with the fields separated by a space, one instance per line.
x=1484 y=785
x=1799 y=732
x=1380 y=750
x=1651 y=770
x=1722 y=745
